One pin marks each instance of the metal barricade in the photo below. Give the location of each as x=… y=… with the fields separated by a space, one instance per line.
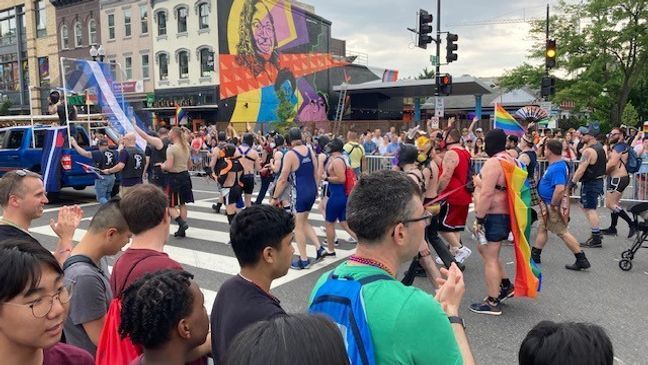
x=199 y=162
x=375 y=163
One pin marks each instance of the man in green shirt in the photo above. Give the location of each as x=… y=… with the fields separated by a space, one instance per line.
x=355 y=151
x=407 y=325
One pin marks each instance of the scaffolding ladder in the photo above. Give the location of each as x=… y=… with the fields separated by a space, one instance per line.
x=339 y=112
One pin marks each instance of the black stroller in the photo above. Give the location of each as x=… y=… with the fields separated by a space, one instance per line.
x=638 y=211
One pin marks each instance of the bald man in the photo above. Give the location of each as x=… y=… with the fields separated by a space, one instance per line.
x=131 y=164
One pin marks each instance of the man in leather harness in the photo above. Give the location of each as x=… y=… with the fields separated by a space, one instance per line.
x=251 y=162
x=591 y=172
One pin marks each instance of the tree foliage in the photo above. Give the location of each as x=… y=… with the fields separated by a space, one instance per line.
x=521 y=76
x=4 y=107
x=425 y=74
x=630 y=117
x=602 y=49
x=285 y=113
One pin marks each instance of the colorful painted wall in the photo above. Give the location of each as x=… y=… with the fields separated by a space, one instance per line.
x=266 y=46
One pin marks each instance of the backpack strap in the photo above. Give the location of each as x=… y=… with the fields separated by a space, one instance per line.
x=129 y=272
x=78 y=259
x=364 y=281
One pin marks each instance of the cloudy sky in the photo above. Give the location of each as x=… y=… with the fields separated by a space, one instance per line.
x=377 y=27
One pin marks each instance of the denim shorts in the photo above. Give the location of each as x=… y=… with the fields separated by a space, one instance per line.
x=497 y=227
x=590 y=192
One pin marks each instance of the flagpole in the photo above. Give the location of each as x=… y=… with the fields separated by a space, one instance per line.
x=65 y=102
x=31 y=116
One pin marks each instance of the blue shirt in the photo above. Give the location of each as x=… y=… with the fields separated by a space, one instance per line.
x=556 y=174
x=369 y=147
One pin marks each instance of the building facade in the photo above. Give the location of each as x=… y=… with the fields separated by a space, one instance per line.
x=27 y=49
x=79 y=27
x=184 y=34
x=127 y=41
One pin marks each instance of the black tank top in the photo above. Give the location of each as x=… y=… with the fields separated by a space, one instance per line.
x=533 y=164
x=135 y=164
x=597 y=170
x=159 y=156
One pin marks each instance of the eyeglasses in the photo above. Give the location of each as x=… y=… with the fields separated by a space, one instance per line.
x=42 y=306
x=426 y=216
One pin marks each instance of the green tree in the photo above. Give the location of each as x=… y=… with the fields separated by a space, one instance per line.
x=630 y=116
x=285 y=113
x=4 y=107
x=425 y=74
x=521 y=76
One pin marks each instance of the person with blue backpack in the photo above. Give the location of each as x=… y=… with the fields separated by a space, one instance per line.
x=622 y=161
x=382 y=320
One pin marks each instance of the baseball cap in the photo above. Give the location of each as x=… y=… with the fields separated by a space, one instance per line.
x=479 y=130
x=592 y=129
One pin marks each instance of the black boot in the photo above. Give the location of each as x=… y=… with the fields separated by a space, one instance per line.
x=595 y=241
x=230 y=218
x=535 y=255
x=580 y=264
x=217 y=207
x=182 y=228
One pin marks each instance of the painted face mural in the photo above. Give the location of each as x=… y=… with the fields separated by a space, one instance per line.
x=263 y=31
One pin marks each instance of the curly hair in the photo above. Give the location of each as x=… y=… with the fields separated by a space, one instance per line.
x=246 y=47
x=153 y=306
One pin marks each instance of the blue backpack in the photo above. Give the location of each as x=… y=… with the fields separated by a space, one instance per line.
x=634 y=162
x=340 y=298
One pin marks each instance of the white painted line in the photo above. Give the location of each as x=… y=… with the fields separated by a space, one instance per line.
x=48 y=210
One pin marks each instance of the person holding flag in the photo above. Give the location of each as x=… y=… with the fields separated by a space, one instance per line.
x=103 y=158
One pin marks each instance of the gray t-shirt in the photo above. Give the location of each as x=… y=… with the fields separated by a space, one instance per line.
x=90 y=300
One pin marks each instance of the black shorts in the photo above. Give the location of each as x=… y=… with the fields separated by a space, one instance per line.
x=618 y=184
x=452 y=218
x=248 y=183
x=159 y=178
x=497 y=227
x=232 y=194
x=180 y=188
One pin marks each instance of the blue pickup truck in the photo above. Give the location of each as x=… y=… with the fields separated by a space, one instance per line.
x=18 y=152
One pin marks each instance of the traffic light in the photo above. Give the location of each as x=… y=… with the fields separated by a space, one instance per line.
x=548 y=86
x=550 y=54
x=424 y=28
x=444 y=84
x=451 y=47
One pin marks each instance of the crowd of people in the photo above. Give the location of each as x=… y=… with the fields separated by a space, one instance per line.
x=149 y=309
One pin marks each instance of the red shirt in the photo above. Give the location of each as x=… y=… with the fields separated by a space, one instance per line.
x=459 y=178
x=139 y=262
x=64 y=354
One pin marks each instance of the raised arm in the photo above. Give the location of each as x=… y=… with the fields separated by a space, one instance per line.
x=155 y=142
x=80 y=150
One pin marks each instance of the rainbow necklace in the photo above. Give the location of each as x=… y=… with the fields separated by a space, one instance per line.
x=370 y=262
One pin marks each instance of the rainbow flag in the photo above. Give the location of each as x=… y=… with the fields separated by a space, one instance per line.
x=180 y=114
x=528 y=278
x=506 y=122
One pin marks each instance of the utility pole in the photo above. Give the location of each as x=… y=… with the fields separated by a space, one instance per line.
x=438 y=49
x=547 y=39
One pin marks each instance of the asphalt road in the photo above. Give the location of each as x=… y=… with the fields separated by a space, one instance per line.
x=604 y=295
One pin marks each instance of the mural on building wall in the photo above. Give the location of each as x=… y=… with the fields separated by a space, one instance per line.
x=266 y=46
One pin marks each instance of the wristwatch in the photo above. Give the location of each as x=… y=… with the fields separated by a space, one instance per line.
x=456 y=319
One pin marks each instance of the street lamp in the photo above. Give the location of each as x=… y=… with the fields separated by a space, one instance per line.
x=101 y=52
x=94 y=52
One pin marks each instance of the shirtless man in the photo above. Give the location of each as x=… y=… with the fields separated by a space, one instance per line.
x=492 y=220
x=251 y=163
x=618 y=180
x=591 y=172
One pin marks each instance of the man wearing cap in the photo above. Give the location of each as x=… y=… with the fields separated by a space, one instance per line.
x=103 y=158
x=591 y=172
x=618 y=181
x=493 y=221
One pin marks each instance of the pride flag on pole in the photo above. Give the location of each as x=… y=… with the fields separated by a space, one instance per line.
x=506 y=122
x=528 y=278
x=180 y=114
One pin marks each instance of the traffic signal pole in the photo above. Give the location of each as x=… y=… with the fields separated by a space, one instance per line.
x=547 y=39
x=438 y=49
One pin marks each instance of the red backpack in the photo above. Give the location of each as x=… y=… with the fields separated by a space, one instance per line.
x=112 y=349
x=350 y=178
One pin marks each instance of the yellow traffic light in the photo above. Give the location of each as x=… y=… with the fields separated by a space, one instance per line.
x=551 y=53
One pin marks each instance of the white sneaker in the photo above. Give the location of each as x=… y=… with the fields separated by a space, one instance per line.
x=462 y=254
x=352 y=240
x=438 y=260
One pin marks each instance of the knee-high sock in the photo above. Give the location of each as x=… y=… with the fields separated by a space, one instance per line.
x=230 y=218
x=615 y=219
x=624 y=215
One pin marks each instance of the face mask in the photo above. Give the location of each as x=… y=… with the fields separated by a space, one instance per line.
x=422 y=157
x=272 y=145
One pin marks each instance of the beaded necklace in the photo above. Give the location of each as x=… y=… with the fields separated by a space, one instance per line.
x=370 y=262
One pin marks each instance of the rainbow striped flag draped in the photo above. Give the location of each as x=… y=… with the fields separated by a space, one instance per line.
x=506 y=122
x=180 y=114
x=528 y=278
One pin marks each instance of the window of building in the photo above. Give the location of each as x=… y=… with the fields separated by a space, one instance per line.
x=163 y=63
x=127 y=23
x=92 y=32
x=145 y=66
x=182 y=19
x=162 y=23
x=183 y=64
x=144 y=18
x=111 y=26
x=43 y=71
x=78 y=34
x=206 y=62
x=8 y=32
x=203 y=13
x=65 y=37
x=9 y=72
x=41 y=19
x=128 y=67
x=113 y=68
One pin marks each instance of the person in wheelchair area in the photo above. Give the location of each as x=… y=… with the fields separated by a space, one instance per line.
x=618 y=181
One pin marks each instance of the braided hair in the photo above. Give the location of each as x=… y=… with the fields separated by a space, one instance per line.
x=153 y=306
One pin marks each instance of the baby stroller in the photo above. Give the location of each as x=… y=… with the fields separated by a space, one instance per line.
x=638 y=211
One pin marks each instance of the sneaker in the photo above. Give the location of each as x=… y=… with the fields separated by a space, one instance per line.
x=336 y=242
x=595 y=241
x=462 y=254
x=438 y=260
x=320 y=253
x=299 y=264
x=486 y=307
x=506 y=292
x=351 y=240
x=611 y=231
x=217 y=207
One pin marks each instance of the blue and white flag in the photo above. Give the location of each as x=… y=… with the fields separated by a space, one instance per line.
x=55 y=141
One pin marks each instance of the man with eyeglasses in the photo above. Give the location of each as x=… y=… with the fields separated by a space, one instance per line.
x=23 y=199
x=390 y=231
x=34 y=300
x=87 y=267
